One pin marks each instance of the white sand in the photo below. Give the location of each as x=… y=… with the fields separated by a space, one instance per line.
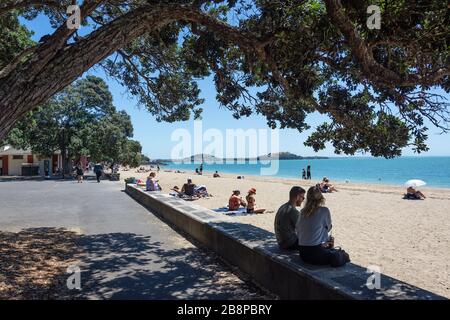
x=408 y=240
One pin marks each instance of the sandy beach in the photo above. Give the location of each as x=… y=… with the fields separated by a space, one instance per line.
x=408 y=240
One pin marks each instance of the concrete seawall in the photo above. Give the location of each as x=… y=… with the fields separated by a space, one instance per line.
x=255 y=252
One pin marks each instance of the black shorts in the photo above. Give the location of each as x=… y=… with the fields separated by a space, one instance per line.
x=317 y=255
x=295 y=246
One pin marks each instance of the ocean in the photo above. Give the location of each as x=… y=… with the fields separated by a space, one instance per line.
x=433 y=170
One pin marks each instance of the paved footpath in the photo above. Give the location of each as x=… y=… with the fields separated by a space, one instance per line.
x=127 y=252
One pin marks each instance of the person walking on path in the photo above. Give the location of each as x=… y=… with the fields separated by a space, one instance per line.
x=98 y=169
x=79 y=171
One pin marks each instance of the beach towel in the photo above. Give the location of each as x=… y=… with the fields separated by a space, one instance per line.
x=239 y=212
x=189 y=198
x=411 y=196
x=184 y=197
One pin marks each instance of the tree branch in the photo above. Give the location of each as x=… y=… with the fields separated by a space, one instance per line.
x=371 y=69
x=23 y=4
x=45 y=51
x=54 y=65
x=17 y=60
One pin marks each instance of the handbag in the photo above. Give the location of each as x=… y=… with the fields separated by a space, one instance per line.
x=338 y=257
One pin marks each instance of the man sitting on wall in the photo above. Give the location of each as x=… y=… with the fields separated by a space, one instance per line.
x=286 y=219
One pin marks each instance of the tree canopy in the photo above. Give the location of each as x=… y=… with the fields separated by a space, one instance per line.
x=281 y=59
x=109 y=141
x=80 y=120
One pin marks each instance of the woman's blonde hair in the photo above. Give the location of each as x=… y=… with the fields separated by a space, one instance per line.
x=314 y=200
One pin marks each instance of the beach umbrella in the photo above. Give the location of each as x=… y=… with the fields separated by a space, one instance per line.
x=414 y=183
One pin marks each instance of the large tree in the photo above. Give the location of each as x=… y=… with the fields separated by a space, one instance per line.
x=378 y=87
x=69 y=121
x=110 y=141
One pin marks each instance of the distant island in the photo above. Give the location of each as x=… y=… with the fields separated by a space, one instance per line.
x=288 y=156
x=270 y=156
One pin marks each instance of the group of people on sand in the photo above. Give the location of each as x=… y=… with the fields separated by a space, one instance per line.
x=306 y=174
x=199 y=170
x=236 y=201
x=188 y=189
x=191 y=191
x=326 y=186
x=413 y=194
x=308 y=230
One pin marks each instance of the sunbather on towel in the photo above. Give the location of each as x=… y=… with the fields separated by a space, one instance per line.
x=201 y=191
x=326 y=186
x=236 y=201
x=414 y=194
x=251 y=202
x=188 y=188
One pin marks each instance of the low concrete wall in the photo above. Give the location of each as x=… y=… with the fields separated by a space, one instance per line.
x=255 y=252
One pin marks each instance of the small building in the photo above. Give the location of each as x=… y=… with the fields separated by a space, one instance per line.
x=16 y=162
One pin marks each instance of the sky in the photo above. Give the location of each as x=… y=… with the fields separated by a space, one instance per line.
x=155 y=137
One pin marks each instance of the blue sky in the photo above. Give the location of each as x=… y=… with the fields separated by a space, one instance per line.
x=155 y=137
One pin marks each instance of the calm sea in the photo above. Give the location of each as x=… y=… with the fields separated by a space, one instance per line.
x=433 y=170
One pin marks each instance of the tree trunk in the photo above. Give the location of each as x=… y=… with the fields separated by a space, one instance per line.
x=33 y=82
x=65 y=161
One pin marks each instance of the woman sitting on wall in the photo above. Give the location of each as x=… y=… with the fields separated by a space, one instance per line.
x=313 y=230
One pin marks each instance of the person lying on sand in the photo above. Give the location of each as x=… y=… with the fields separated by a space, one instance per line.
x=201 y=192
x=216 y=175
x=236 y=201
x=414 y=194
x=326 y=186
x=251 y=202
x=176 y=189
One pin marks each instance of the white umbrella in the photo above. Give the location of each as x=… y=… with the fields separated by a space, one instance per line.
x=414 y=183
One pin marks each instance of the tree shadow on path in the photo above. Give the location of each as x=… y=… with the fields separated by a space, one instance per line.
x=113 y=266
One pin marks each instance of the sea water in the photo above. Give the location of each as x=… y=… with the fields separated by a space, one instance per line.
x=435 y=171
